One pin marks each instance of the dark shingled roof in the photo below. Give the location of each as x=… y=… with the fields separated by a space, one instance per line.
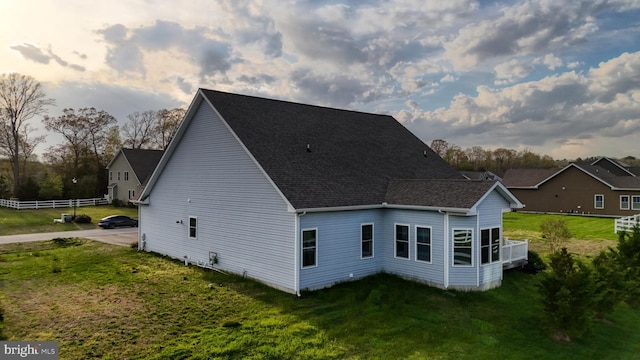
x=142 y=161
x=621 y=182
x=461 y=194
x=351 y=155
x=526 y=177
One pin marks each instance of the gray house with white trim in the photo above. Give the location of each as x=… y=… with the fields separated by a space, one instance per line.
x=301 y=197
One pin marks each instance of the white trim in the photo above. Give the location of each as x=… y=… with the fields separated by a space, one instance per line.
x=633 y=202
x=373 y=241
x=446 y=249
x=395 y=241
x=595 y=201
x=453 y=235
x=628 y=202
x=430 y=243
x=189 y=227
x=315 y=261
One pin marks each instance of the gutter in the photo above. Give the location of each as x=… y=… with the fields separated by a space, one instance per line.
x=384 y=205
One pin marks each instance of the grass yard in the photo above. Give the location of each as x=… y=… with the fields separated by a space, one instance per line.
x=110 y=302
x=37 y=221
x=589 y=234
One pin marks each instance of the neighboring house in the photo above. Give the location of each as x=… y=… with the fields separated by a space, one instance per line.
x=301 y=197
x=128 y=172
x=480 y=175
x=604 y=187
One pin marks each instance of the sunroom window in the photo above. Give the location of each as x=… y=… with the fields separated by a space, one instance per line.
x=462 y=247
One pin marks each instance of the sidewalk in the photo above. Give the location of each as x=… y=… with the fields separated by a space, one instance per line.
x=122 y=236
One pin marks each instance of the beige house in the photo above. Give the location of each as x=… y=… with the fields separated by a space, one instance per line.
x=128 y=172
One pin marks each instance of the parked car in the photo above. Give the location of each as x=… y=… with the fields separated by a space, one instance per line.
x=113 y=221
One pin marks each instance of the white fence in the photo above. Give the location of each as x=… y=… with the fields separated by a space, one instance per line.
x=626 y=223
x=51 y=204
x=513 y=250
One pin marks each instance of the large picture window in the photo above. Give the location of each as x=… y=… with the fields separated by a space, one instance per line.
x=624 y=202
x=309 y=247
x=489 y=245
x=598 y=201
x=462 y=247
x=366 y=239
x=193 y=227
x=423 y=243
x=402 y=241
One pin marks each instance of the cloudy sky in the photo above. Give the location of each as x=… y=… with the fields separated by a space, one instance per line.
x=558 y=77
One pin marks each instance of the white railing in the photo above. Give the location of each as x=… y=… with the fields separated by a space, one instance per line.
x=514 y=250
x=626 y=223
x=51 y=204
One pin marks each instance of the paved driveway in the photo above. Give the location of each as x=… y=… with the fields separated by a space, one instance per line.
x=121 y=236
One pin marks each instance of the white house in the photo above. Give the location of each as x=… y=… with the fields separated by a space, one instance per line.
x=301 y=197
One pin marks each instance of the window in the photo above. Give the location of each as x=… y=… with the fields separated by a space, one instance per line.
x=193 y=227
x=423 y=243
x=624 y=202
x=110 y=175
x=462 y=247
x=489 y=245
x=366 y=238
x=402 y=241
x=126 y=176
x=598 y=201
x=309 y=247
x=132 y=194
x=635 y=202
x=118 y=175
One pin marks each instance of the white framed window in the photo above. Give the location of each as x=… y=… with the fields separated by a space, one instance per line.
x=309 y=248
x=624 y=202
x=193 y=227
x=110 y=175
x=598 y=201
x=366 y=240
x=423 y=243
x=489 y=245
x=462 y=247
x=126 y=176
x=118 y=175
x=635 y=202
x=132 y=194
x=402 y=241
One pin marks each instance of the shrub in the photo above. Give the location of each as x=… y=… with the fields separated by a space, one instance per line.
x=117 y=203
x=535 y=264
x=628 y=258
x=555 y=231
x=608 y=281
x=567 y=292
x=82 y=219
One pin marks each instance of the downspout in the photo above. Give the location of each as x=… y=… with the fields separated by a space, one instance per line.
x=476 y=246
x=446 y=248
x=296 y=257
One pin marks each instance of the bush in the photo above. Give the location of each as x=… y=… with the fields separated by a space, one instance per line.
x=609 y=282
x=568 y=297
x=535 y=264
x=82 y=219
x=117 y=203
x=628 y=258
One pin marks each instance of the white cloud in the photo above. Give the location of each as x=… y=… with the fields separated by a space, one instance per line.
x=511 y=71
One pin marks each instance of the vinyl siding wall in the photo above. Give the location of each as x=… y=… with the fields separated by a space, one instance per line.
x=339 y=247
x=490 y=216
x=240 y=215
x=463 y=276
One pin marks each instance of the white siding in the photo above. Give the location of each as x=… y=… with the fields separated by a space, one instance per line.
x=463 y=277
x=490 y=212
x=240 y=214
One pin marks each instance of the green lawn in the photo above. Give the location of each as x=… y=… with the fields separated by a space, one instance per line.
x=589 y=234
x=36 y=221
x=110 y=302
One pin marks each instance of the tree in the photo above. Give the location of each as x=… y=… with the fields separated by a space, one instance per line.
x=567 y=292
x=628 y=258
x=440 y=147
x=167 y=123
x=75 y=128
x=51 y=186
x=138 y=132
x=608 y=281
x=556 y=232
x=21 y=98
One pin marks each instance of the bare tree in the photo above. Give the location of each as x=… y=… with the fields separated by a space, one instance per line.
x=138 y=132
x=167 y=122
x=21 y=98
x=440 y=147
x=74 y=128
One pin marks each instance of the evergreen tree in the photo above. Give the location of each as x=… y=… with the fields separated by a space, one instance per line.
x=628 y=258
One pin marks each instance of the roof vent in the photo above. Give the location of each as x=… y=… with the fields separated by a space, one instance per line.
x=424 y=153
x=308 y=148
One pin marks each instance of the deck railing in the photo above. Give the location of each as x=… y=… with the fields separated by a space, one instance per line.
x=51 y=204
x=626 y=223
x=514 y=250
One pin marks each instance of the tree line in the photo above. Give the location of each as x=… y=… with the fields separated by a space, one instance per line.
x=92 y=137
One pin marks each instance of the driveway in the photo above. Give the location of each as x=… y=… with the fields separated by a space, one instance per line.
x=121 y=236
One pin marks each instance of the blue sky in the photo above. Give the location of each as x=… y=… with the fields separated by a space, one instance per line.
x=558 y=77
